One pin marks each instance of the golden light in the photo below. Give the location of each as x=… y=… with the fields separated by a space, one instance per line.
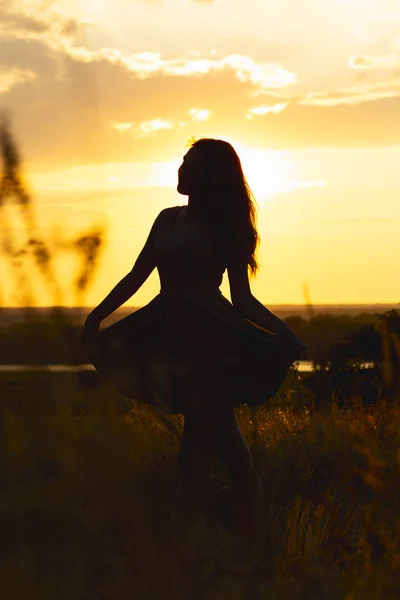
x=268 y=172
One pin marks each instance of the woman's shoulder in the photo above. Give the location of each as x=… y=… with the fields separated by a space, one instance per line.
x=165 y=212
x=170 y=210
x=164 y=217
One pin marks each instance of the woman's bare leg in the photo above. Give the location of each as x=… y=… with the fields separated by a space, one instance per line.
x=194 y=463
x=209 y=431
x=234 y=454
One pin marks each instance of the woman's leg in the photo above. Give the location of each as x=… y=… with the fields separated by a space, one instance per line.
x=214 y=431
x=194 y=463
x=234 y=454
x=211 y=429
x=230 y=445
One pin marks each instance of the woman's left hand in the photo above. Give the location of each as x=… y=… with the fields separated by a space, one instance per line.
x=90 y=331
x=300 y=348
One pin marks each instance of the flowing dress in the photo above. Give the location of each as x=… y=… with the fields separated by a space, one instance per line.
x=190 y=347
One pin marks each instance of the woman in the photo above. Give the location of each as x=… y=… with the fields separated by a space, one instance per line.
x=190 y=350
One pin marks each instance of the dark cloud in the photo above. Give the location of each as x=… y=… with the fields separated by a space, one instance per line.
x=29 y=54
x=36 y=20
x=20 y=22
x=71 y=27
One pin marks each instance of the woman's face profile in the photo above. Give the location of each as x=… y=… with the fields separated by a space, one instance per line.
x=189 y=173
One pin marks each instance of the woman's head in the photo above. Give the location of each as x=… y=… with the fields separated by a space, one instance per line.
x=210 y=166
x=211 y=173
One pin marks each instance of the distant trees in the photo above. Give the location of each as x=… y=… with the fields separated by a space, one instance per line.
x=335 y=343
x=322 y=331
x=339 y=376
x=40 y=343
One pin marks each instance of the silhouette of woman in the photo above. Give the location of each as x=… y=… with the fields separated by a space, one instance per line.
x=190 y=350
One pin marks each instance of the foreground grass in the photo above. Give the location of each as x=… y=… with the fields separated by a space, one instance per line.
x=85 y=480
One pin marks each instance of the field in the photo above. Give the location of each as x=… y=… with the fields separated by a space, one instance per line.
x=87 y=478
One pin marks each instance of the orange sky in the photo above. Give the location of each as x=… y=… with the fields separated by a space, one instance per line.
x=104 y=97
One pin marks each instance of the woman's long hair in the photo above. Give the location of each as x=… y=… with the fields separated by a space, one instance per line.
x=227 y=203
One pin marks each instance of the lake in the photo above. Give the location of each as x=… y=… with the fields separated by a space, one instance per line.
x=305 y=366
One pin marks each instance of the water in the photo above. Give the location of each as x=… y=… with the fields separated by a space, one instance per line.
x=46 y=368
x=305 y=366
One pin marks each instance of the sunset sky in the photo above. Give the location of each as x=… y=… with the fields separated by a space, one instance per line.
x=104 y=95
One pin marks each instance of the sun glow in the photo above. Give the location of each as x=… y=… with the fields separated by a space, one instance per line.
x=268 y=172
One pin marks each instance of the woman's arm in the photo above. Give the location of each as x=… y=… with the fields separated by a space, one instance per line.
x=129 y=285
x=244 y=301
x=124 y=290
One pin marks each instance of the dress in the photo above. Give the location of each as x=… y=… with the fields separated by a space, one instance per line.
x=190 y=338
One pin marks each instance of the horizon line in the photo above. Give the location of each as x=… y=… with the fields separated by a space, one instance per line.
x=302 y=304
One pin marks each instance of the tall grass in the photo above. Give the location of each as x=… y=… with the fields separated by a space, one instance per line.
x=36 y=249
x=86 y=480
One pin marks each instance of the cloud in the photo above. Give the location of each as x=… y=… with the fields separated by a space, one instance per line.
x=148 y=64
x=18 y=22
x=12 y=77
x=68 y=36
x=352 y=96
x=357 y=94
x=33 y=55
x=38 y=23
x=77 y=107
x=65 y=114
x=263 y=75
x=199 y=115
x=368 y=62
x=73 y=105
x=300 y=125
x=359 y=62
x=122 y=127
x=264 y=110
x=155 y=125
x=75 y=112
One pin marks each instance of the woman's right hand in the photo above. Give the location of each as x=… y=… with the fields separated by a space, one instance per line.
x=299 y=346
